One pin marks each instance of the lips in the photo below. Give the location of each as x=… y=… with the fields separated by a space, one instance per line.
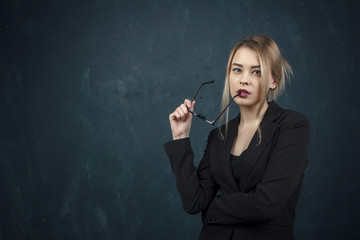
x=243 y=93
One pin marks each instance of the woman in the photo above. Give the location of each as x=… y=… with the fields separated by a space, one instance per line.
x=248 y=181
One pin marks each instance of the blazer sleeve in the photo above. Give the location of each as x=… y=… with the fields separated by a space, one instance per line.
x=282 y=176
x=197 y=187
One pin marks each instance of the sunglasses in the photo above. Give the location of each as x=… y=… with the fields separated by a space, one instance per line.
x=202 y=117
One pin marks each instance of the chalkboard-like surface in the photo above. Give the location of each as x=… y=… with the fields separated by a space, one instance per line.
x=86 y=88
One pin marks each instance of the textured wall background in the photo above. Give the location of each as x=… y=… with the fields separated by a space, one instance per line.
x=86 y=88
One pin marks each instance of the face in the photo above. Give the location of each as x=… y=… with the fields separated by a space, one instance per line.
x=245 y=75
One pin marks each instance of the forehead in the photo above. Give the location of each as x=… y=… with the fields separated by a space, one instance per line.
x=246 y=57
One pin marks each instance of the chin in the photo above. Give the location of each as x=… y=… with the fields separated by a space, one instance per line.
x=246 y=102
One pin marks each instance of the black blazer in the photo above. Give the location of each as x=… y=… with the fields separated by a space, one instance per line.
x=262 y=206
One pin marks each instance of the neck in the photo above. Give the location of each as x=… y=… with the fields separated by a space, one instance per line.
x=249 y=115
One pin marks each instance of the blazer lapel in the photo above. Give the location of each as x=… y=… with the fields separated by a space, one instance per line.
x=229 y=183
x=268 y=130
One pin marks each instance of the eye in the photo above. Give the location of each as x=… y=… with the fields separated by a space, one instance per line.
x=237 y=70
x=257 y=72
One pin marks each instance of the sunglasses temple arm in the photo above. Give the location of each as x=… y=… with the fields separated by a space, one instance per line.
x=213 y=122
x=193 y=113
x=209 y=82
x=198 y=115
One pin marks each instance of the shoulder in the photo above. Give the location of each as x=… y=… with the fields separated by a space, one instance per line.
x=293 y=131
x=292 y=119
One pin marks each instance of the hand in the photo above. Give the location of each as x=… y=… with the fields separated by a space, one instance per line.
x=180 y=120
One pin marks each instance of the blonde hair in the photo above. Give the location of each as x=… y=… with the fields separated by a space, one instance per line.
x=270 y=60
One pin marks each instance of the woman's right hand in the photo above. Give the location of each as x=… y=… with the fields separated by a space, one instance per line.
x=180 y=120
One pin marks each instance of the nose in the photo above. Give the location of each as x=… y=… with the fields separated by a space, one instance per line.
x=245 y=78
x=244 y=82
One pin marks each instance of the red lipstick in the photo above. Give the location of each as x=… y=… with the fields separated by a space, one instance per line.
x=243 y=93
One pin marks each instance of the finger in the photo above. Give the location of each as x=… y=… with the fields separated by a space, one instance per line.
x=187 y=103
x=185 y=110
x=192 y=106
x=171 y=116
x=182 y=110
x=174 y=116
x=178 y=114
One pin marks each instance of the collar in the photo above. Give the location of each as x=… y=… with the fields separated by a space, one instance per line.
x=268 y=128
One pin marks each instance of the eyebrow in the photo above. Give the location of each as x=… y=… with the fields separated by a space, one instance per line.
x=240 y=65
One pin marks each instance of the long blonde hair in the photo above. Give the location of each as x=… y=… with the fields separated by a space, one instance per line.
x=270 y=60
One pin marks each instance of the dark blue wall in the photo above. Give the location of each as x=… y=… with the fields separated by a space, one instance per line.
x=86 y=88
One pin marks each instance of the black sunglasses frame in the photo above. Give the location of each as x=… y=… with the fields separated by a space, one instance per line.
x=203 y=117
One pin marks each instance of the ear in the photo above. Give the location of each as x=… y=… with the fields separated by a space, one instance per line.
x=272 y=83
